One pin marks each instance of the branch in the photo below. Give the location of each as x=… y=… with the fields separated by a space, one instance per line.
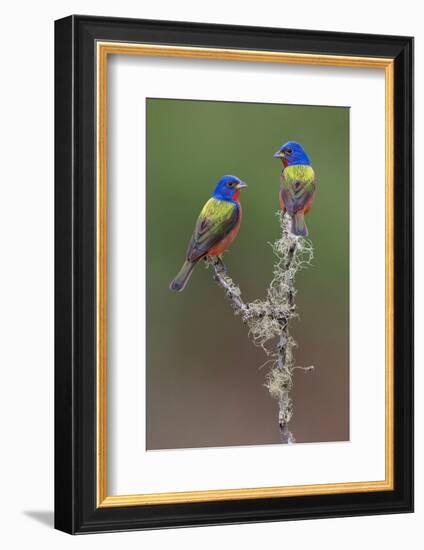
x=285 y=403
x=268 y=320
x=232 y=291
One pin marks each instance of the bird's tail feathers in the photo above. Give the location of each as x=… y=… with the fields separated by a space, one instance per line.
x=298 y=225
x=181 y=280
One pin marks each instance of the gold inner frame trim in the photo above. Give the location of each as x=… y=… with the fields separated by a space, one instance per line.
x=104 y=49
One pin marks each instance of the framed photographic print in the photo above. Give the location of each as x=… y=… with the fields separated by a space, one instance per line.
x=234 y=266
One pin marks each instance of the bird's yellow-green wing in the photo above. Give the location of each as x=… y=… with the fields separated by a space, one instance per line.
x=216 y=221
x=297 y=187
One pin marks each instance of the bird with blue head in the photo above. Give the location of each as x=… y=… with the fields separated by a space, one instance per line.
x=216 y=227
x=297 y=185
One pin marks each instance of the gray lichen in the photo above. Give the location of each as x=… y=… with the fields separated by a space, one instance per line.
x=268 y=319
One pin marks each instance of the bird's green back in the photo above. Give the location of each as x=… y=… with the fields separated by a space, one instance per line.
x=298 y=173
x=217 y=210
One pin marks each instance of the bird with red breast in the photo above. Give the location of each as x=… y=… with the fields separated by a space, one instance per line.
x=216 y=227
x=297 y=185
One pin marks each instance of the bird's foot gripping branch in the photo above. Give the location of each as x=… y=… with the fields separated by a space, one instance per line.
x=268 y=320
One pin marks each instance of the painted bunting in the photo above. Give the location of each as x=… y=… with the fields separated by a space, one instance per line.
x=216 y=227
x=298 y=186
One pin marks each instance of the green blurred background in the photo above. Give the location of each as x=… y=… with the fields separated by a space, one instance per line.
x=204 y=386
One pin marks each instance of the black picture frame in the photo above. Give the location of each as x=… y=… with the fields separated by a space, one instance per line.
x=75 y=275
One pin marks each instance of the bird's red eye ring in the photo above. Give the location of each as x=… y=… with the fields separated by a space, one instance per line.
x=231 y=184
x=289 y=151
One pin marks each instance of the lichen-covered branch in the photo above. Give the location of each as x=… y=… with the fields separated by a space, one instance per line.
x=232 y=291
x=269 y=319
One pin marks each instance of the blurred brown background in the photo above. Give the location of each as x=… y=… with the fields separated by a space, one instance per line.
x=204 y=385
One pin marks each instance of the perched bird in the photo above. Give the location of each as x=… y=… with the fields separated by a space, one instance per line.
x=298 y=186
x=216 y=227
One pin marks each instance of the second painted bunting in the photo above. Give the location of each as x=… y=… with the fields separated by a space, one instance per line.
x=298 y=186
x=216 y=227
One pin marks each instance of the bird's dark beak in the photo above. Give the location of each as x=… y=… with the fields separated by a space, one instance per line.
x=279 y=155
x=241 y=185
